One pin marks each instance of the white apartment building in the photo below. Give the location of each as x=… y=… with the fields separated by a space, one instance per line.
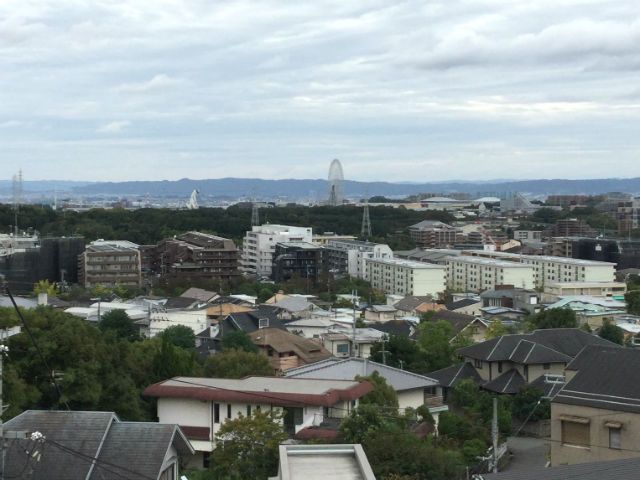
x=474 y=274
x=549 y=269
x=348 y=256
x=259 y=245
x=405 y=277
x=201 y=405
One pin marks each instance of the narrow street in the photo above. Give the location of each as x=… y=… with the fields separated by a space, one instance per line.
x=527 y=453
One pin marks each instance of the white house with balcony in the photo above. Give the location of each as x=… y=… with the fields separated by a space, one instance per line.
x=202 y=405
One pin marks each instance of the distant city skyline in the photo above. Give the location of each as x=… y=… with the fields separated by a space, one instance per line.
x=418 y=91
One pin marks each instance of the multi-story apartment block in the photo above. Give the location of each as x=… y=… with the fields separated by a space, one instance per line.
x=259 y=246
x=628 y=216
x=348 y=256
x=527 y=235
x=555 y=269
x=193 y=254
x=571 y=227
x=296 y=259
x=404 y=277
x=435 y=234
x=110 y=263
x=474 y=274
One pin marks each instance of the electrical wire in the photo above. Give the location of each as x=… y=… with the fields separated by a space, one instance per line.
x=100 y=463
x=35 y=344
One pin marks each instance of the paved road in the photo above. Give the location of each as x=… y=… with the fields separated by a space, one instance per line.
x=527 y=453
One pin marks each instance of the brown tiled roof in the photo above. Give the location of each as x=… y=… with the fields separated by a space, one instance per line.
x=307 y=350
x=195 y=433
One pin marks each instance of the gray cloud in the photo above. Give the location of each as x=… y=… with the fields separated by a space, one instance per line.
x=463 y=89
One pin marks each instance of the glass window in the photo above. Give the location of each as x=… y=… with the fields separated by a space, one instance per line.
x=614 y=437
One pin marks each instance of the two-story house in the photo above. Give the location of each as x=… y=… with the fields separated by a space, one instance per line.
x=596 y=415
x=202 y=405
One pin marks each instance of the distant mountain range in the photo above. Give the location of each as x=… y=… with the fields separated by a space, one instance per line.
x=317 y=189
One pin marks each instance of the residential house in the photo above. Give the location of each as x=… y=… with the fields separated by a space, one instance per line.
x=474 y=327
x=593 y=311
x=202 y=405
x=403 y=328
x=516 y=298
x=294 y=307
x=347 y=343
x=379 y=313
x=596 y=415
x=413 y=390
x=417 y=305
x=451 y=376
x=286 y=350
x=466 y=306
x=509 y=362
x=312 y=327
x=79 y=445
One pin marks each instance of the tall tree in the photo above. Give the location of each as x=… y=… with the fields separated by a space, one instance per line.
x=435 y=341
x=247 y=447
x=611 y=332
x=180 y=336
x=119 y=322
x=633 y=302
x=237 y=364
x=382 y=395
x=553 y=318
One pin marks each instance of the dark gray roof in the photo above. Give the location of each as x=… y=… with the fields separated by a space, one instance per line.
x=139 y=446
x=626 y=469
x=457 y=320
x=408 y=304
x=527 y=352
x=509 y=382
x=606 y=377
x=80 y=431
x=396 y=327
x=180 y=302
x=509 y=293
x=250 y=321
x=560 y=343
x=550 y=385
x=133 y=450
x=348 y=368
x=465 y=302
x=453 y=375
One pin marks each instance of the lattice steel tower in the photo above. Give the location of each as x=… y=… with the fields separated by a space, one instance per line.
x=365 y=231
x=255 y=216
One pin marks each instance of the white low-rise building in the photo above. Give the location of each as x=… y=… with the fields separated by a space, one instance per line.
x=202 y=405
x=475 y=274
x=405 y=277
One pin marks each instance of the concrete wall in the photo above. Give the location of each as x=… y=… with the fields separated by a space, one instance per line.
x=598 y=449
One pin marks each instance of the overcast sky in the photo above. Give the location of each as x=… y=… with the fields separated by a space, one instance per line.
x=397 y=90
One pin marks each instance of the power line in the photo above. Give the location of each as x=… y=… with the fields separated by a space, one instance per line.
x=35 y=344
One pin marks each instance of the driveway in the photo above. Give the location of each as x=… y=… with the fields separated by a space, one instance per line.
x=527 y=453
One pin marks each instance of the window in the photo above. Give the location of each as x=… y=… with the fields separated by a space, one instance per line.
x=477 y=363
x=546 y=366
x=228 y=410
x=575 y=432
x=342 y=348
x=216 y=413
x=169 y=473
x=248 y=410
x=499 y=367
x=614 y=434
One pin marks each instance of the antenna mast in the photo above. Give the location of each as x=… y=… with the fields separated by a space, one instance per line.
x=255 y=217
x=366 y=220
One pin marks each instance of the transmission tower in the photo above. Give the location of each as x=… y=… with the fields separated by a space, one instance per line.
x=366 y=221
x=255 y=217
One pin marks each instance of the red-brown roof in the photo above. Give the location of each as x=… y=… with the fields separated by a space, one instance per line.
x=195 y=433
x=190 y=388
x=319 y=433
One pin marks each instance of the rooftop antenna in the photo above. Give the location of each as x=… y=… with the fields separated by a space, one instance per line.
x=255 y=217
x=365 y=231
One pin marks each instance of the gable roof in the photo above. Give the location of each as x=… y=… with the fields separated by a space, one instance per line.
x=465 y=302
x=457 y=320
x=397 y=327
x=349 y=368
x=261 y=390
x=509 y=382
x=606 y=377
x=250 y=321
x=134 y=450
x=283 y=341
x=549 y=384
x=408 y=304
x=556 y=345
x=454 y=374
x=200 y=294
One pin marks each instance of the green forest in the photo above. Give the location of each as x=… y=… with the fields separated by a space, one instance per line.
x=148 y=226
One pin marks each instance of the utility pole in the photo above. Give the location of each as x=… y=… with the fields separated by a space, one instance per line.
x=384 y=351
x=354 y=294
x=3 y=349
x=494 y=434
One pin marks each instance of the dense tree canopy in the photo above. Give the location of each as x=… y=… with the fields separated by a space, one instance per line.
x=237 y=364
x=611 y=332
x=119 y=323
x=383 y=396
x=553 y=318
x=528 y=403
x=94 y=370
x=180 y=336
x=633 y=302
x=238 y=340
